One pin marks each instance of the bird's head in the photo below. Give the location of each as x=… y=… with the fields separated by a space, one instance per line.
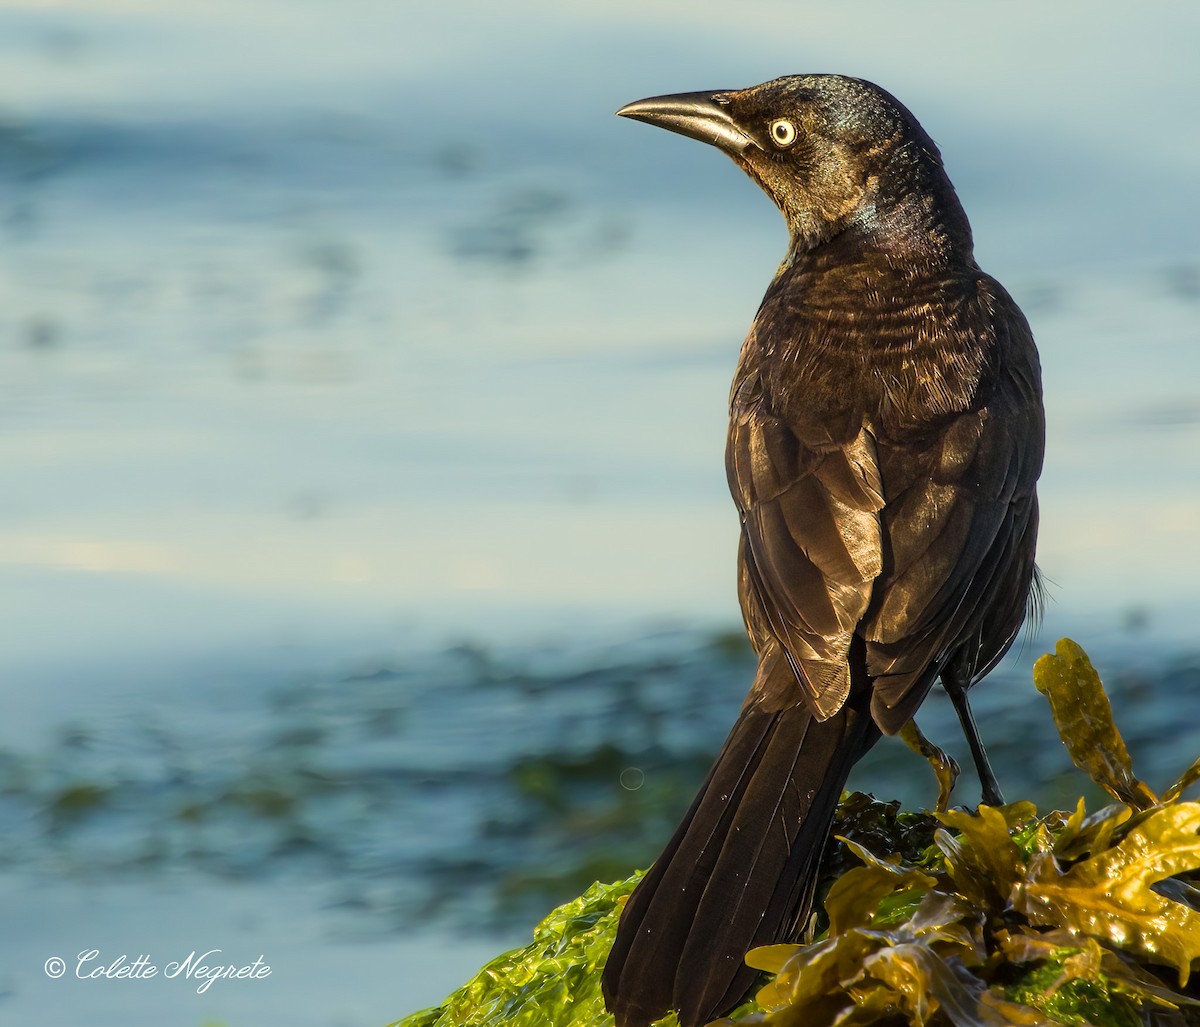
x=836 y=154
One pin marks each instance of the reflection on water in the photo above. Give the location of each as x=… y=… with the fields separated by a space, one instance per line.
x=479 y=787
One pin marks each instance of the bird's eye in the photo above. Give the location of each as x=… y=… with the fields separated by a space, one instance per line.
x=783 y=132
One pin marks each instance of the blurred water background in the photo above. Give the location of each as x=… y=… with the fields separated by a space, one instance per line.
x=365 y=555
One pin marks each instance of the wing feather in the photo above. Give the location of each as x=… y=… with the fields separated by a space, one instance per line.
x=811 y=544
x=920 y=543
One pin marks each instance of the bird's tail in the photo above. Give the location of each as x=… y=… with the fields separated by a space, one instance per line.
x=741 y=870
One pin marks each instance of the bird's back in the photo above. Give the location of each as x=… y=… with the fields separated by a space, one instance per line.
x=884 y=444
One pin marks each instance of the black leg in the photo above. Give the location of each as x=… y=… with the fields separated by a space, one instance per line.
x=958 y=695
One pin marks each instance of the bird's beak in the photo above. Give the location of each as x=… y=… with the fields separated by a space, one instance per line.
x=698 y=115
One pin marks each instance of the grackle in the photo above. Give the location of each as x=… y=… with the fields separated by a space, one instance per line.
x=885 y=439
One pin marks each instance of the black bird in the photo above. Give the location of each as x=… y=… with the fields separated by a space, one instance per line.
x=885 y=439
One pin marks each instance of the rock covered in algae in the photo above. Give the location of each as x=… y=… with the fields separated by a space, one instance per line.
x=555 y=980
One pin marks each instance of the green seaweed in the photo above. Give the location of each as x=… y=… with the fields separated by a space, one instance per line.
x=553 y=980
x=993 y=918
x=1084 y=720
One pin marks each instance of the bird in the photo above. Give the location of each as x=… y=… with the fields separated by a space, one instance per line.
x=886 y=434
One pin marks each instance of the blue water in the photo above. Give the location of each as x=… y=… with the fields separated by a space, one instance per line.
x=331 y=339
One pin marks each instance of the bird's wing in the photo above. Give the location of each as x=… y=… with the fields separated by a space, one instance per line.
x=959 y=530
x=811 y=546
x=926 y=550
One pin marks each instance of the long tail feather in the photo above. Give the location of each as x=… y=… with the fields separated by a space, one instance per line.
x=740 y=870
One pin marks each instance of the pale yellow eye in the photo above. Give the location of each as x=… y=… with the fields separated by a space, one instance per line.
x=783 y=132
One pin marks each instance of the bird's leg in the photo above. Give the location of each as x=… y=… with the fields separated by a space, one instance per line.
x=958 y=695
x=945 y=768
